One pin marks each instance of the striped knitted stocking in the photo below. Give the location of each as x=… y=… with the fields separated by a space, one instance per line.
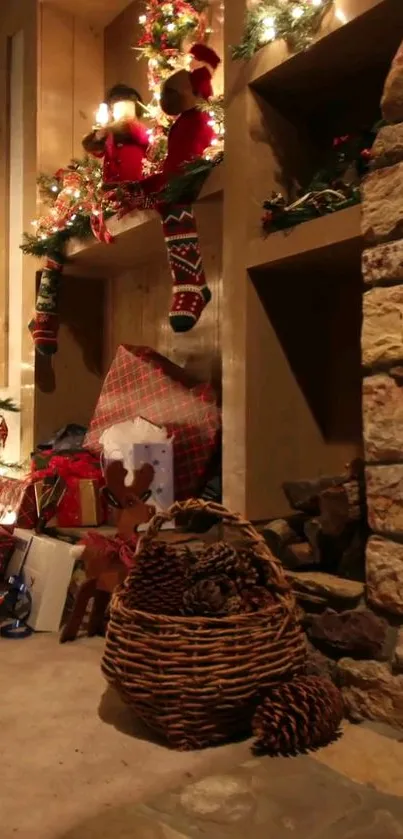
x=45 y=323
x=190 y=291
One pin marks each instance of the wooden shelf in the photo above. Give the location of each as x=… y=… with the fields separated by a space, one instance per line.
x=336 y=236
x=369 y=39
x=137 y=236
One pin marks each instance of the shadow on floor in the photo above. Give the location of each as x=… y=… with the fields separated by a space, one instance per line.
x=113 y=711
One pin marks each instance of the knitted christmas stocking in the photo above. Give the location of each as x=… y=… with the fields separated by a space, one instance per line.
x=45 y=323
x=190 y=291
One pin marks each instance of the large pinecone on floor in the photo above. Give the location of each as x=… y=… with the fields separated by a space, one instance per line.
x=212 y=597
x=222 y=559
x=157 y=582
x=298 y=716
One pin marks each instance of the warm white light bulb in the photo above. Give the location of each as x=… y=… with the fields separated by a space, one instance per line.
x=268 y=22
x=143 y=19
x=268 y=34
x=102 y=114
x=340 y=16
x=171 y=27
x=297 y=12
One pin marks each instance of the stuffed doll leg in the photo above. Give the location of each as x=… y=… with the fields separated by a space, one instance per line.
x=190 y=291
x=45 y=323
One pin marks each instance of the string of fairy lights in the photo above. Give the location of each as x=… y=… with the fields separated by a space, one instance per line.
x=294 y=21
x=168 y=29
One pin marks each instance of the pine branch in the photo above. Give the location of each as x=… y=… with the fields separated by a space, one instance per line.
x=271 y=20
x=9 y=405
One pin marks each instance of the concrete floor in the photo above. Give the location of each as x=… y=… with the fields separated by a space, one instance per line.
x=75 y=765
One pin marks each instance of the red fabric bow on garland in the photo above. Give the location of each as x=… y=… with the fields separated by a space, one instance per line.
x=79 y=194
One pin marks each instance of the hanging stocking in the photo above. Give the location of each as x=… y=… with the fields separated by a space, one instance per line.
x=45 y=323
x=190 y=291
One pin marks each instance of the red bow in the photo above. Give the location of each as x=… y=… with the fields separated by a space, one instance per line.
x=80 y=466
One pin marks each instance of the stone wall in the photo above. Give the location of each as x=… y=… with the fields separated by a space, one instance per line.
x=374 y=688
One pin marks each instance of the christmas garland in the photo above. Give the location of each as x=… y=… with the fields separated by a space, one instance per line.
x=53 y=232
x=295 y=21
x=76 y=212
x=333 y=188
x=166 y=26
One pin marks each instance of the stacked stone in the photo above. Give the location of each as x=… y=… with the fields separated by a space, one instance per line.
x=373 y=688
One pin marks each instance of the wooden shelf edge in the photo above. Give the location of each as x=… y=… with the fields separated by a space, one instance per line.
x=316 y=235
x=141 y=228
x=272 y=58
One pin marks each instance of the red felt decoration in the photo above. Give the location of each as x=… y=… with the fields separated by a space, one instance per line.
x=3 y=432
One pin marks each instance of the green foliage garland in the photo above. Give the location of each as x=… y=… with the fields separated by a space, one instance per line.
x=294 y=21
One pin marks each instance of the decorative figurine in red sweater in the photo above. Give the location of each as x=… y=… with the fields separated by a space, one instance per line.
x=123 y=142
x=190 y=135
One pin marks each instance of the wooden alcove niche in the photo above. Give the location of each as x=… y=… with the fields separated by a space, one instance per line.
x=304 y=303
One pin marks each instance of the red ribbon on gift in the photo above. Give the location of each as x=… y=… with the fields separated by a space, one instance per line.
x=71 y=470
x=79 y=466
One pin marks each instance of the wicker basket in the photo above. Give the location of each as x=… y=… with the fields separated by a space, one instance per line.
x=195 y=680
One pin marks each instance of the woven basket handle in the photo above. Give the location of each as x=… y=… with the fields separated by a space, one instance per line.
x=194 y=505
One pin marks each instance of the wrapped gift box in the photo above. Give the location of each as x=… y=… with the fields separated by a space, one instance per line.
x=67 y=492
x=17 y=503
x=46 y=566
x=79 y=505
x=143 y=383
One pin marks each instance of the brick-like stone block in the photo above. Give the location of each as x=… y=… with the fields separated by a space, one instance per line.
x=383 y=264
x=371 y=691
x=358 y=633
x=398 y=656
x=388 y=146
x=384 y=571
x=382 y=408
x=392 y=98
x=382 y=328
x=382 y=204
x=385 y=498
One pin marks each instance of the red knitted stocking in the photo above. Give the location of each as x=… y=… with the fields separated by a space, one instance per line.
x=190 y=291
x=45 y=323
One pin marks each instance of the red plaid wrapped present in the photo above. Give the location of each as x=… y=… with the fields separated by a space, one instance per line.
x=17 y=503
x=143 y=383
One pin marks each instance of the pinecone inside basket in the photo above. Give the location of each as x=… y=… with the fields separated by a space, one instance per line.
x=225 y=581
x=157 y=582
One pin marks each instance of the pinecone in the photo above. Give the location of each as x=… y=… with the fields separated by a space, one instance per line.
x=209 y=597
x=298 y=716
x=256 y=598
x=234 y=605
x=157 y=582
x=223 y=559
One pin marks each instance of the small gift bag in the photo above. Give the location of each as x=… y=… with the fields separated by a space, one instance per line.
x=138 y=444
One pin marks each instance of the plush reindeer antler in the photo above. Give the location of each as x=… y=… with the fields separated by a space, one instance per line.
x=134 y=510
